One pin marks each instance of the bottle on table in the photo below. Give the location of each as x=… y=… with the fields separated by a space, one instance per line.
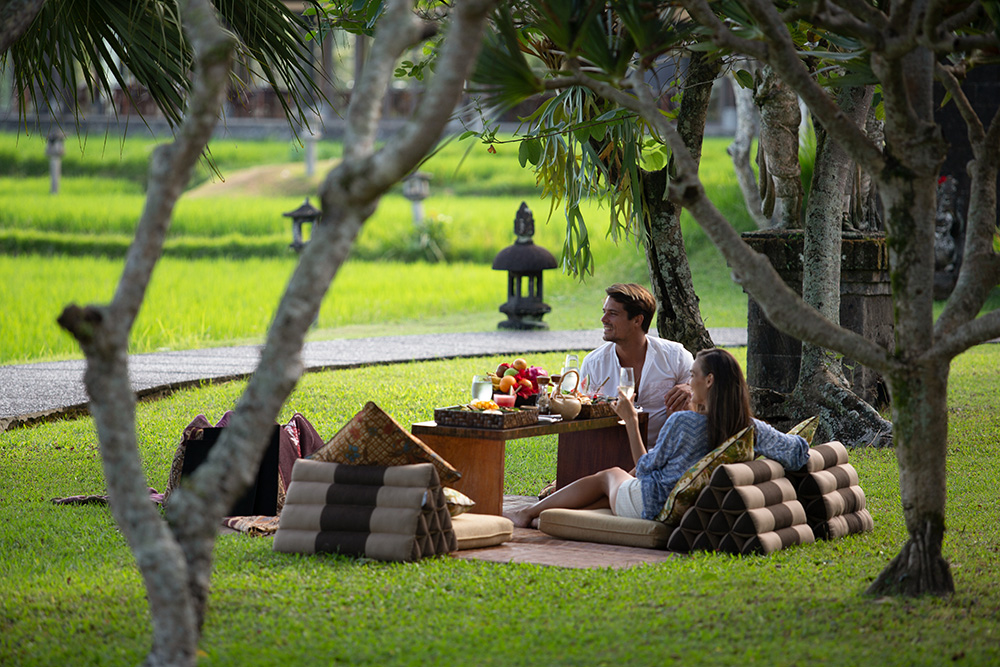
x=572 y=363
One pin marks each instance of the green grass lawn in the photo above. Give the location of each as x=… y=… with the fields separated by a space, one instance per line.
x=227 y=257
x=72 y=595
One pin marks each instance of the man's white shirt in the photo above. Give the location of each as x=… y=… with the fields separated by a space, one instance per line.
x=667 y=364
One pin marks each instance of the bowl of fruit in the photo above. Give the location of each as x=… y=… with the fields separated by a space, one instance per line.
x=518 y=379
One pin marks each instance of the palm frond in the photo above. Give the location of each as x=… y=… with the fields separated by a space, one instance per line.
x=105 y=46
x=502 y=74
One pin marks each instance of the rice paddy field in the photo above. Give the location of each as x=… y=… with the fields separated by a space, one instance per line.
x=227 y=257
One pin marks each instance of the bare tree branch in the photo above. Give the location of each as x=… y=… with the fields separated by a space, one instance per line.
x=980 y=269
x=782 y=56
x=865 y=12
x=856 y=19
x=974 y=125
x=975 y=332
x=103 y=336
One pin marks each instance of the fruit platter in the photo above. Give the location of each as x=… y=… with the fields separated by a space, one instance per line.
x=519 y=379
x=485 y=414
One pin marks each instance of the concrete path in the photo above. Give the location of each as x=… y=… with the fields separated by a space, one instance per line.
x=32 y=392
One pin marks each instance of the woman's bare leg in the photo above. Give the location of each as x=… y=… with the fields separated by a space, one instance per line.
x=583 y=493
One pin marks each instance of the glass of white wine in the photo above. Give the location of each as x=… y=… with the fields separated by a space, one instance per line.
x=626 y=381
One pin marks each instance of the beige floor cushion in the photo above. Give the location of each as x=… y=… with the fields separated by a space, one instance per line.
x=475 y=531
x=604 y=527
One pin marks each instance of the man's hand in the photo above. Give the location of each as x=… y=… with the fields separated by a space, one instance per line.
x=678 y=398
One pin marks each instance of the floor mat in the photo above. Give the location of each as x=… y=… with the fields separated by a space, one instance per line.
x=533 y=546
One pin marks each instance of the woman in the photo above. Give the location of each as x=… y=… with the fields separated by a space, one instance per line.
x=720 y=408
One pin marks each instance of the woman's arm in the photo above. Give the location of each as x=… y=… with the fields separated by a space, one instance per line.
x=626 y=410
x=791 y=451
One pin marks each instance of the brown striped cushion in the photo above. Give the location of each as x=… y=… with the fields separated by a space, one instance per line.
x=682 y=540
x=836 y=503
x=828 y=487
x=743 y=474
x=825 y=481
x=710 y=499
x=844 y=525
x=748 y=507
x=395 y=513
x=767 y=543
x=767 y=519
x=742 y=498
x=825 y=456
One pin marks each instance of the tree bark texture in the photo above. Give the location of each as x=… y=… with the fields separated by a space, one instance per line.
x=15 y=17
x=822 y=388
x=172 y=579
x=678 y=317
x=778 y=151
x=919 y=403
x=747 y=127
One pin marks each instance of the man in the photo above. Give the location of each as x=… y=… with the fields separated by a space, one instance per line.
x=662 y=368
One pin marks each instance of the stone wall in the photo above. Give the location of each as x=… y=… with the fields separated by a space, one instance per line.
x=865 y=308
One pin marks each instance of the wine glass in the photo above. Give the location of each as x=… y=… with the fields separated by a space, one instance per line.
x=626 y=381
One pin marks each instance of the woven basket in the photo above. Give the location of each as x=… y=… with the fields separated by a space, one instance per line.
x=454 y=416
x=596 y=410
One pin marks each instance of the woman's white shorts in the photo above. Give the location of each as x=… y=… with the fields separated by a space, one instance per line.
x=628 y=502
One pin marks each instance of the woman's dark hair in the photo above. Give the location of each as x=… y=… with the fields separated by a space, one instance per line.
x=728 y=408
x=636 y=300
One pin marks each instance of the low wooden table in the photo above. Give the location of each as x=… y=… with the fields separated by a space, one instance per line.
x=586 y=446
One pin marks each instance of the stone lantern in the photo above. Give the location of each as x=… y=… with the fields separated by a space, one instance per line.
x=417 y=188
x=524 y=262
x=305 y=214
x=55 y=149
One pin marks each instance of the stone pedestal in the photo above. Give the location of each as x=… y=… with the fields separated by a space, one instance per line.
x=865 y=308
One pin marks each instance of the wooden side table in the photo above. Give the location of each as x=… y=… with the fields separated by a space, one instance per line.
x=585 y=446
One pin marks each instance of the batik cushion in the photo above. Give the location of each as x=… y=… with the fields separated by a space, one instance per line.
x=372 y=437
x=458 y=502
x=736 y=449
x=806 y=428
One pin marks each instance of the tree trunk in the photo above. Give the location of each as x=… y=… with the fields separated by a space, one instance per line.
x=747 y=127
x=678 y=316
x=15 y=17
x=919 y=413
x=778 y=151
x=821 y=387
x=175 y=557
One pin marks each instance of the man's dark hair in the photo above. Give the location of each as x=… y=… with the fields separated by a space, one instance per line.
x=636 y=300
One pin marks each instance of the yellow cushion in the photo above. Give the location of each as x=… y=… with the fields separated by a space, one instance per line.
x=737 y=449
x=475 y=531
x=604 y=527
x=372 y=437
x=458 y=502
x=806 y=428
